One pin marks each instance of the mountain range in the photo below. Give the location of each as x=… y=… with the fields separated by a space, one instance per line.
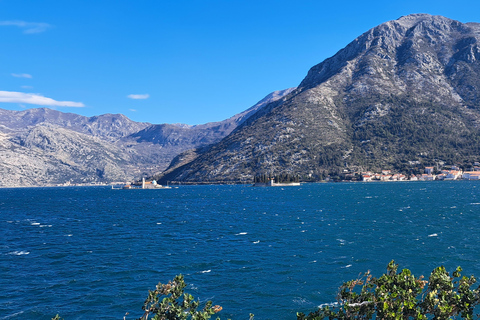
x=403 y=93
x=400 y=96
x=46 y=147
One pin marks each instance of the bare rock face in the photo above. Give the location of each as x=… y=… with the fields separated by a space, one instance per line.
x=406 y=90
x=105 y=126
x=46 y=147
x=166 y=141
x=200 y=135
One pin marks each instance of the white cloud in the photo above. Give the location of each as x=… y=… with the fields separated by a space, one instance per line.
x=22 y=75
x=133 y=110
x=138 y=96
x=28 y=27
x=32 y=98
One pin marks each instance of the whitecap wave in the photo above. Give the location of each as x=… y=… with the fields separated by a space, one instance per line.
x=331 y=304
x=433 y=235
x=300 y=301
x=241 y=234
x=19 y=253
x=12 y=315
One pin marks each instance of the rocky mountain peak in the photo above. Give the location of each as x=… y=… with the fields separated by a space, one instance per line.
x=414 y=19
x=45 y=146
x=402 y=90
x=413 y=53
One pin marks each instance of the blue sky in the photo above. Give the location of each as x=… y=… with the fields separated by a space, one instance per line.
x=182 y=61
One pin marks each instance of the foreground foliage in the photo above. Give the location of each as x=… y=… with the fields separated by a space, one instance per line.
x=393 y=296
x=175 y=304
x=403 y=296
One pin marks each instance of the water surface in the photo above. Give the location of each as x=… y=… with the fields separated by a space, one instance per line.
x=93 y=252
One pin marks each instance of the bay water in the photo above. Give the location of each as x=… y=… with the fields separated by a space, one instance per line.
x=93 y=252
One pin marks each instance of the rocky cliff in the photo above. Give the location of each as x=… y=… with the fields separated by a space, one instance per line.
x=47 y=147
x=405 y=91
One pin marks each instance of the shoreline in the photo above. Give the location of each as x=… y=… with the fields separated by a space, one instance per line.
x=177 y=183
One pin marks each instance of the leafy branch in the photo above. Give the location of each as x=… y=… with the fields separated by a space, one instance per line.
x=176 y=305
x=393 y=296
x=402 y=296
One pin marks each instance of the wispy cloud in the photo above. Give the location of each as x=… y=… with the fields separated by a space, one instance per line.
x=27 y=87
x=22 y=75
x=138 y=96
x=133 y=110
x=28 y=27
x=33 y=98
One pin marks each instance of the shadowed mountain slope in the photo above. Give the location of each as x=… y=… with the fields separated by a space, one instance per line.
x=44 y=147
x=406 y=90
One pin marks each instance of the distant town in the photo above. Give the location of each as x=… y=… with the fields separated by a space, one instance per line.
x=439 y=172
x=430 y=174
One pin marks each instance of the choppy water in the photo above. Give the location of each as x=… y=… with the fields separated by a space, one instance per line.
x=92 y=253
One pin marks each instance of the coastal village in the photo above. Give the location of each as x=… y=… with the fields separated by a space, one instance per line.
x=430 y=174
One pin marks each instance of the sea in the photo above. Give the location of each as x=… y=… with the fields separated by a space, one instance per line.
x=94 y=252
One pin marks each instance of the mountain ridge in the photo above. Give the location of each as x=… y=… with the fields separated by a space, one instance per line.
x=48 y=147
x=403 y=91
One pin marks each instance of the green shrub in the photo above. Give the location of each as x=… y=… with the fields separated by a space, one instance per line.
x=401 y=296
x=175 y=304
x=393 y=296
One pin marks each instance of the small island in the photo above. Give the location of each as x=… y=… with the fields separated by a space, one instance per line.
x=283 y=180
